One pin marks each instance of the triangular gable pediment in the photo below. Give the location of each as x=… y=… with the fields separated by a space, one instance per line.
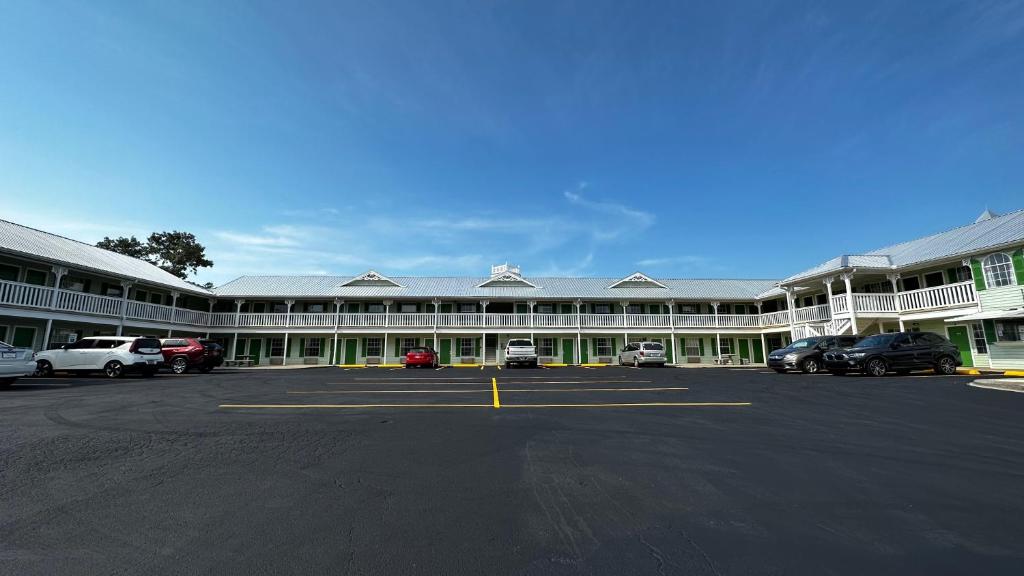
x=506 y=279
x=371 y=278
x=638 y=280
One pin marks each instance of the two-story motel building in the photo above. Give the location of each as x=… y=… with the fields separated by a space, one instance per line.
x=966 y=283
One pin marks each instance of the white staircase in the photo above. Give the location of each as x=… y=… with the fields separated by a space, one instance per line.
x=838 y=326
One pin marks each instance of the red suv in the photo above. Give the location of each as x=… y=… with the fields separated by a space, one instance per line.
x=421 y=356
x=183 y=354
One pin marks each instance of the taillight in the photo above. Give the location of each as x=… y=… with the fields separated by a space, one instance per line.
x=641 y=353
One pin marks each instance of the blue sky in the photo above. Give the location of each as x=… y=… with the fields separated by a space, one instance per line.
x=698 y=139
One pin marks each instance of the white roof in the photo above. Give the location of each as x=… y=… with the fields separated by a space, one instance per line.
x=475 y=287
x=988 y=233
x=28 y=242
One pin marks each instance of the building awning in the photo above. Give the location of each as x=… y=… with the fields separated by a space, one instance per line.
x=990 y=315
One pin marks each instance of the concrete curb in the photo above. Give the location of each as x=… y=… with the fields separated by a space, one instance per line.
x=1004 y=385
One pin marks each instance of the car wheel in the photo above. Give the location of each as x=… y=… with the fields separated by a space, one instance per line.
x=636 y=362
x=44 y=368
x=179 y=365
x=780 y=370
x=809 y=366
x=946 y=366
x=876 y=367
x=114 y=369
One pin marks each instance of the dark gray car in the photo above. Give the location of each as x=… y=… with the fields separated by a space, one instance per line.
x=805 y=354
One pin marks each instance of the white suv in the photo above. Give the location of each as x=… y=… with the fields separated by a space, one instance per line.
x=114 y=355
x=641 y=353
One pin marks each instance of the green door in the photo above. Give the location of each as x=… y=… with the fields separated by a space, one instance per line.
x=446 y=351
x=758 y=352
x=24 y=337
x=958 y=336
x=745 y=349
x=567 y=346
x=584 y=352
x=350 y=350
x=254 y=349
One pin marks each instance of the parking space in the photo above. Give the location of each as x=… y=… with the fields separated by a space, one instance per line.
x=609 y=470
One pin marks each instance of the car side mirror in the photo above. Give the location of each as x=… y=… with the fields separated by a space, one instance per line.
x=63 y=346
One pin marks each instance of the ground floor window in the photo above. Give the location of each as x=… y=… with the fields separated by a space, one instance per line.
x=241 y=347
x=1010 y=330
x=978 y=333
x=603 y=346
x=692 y=347
x=725 y=347
x=373 y=347
x=312 y=347
x=277 y=346
x=466 y=347
x=546 y=347
x=408 y=344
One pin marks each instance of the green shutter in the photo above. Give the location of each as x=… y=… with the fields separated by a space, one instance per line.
x=615 y=348
x=363 y=349
x=979 y=277
x=476 y=347
x=1018 y=266
x=951 y=275
x=990 y=330
x=302 y=347
x=323 y=348
x=700 y=342
x=398 y=346
x=458 y=347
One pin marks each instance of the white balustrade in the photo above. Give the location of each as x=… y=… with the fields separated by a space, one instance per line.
x=312 y=320
x=191 y=317
x=145 y=311
x=221 y=319
x=780 y=318
x=263 y=319
x=367 y=319
x=874 y=302
x=950 y=295
x=508 y=320
x=21 y=294
x=739 y=320
x=555 y=320
x=418 y=319
x=839 y=304
x=72 y=301
x=603 y=320
x=812 y=314
x=694 y=320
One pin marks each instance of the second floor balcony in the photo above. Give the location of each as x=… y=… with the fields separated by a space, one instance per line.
x=955 y=295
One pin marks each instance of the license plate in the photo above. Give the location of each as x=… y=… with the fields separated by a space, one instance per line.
x=150 y=361
x=10 y=355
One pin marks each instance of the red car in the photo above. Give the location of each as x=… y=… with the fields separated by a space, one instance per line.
x=183 y=354
x=421 y=356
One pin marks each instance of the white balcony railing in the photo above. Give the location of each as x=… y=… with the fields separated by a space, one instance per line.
x=508 y=320
x=145 y=311
x=812 y=314
x=71 y=301
x=221 y=319
x=20 y=294
x=874 y=302
x=739 y=320
x=555 y=320
x=839 y=304
x=948 y=296
x=780 y=318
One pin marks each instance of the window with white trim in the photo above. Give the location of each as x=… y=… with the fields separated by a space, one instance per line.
x=633 y=309
x=963 y=273
x=407 y=307
x=375 y=308
x=692 y=347
x=603 y=346
x=407 y=344
x=689 y=308
x=725 y=347
x=374 y=347
x=602 y=308
x=1009 y=330
x=317 y=307
x=978 y=332
x=277 y=346
x=466 y=347
x=546 y=347
x=279 y=308
x=998 y=270
x=545 y=308
x=312 y=347
x=467 y=307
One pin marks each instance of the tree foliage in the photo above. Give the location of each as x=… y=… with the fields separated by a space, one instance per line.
x=176 y=252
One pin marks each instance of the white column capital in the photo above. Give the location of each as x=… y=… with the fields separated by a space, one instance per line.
x=671 y=303
x=485 y=302
x=175 y=294
x=531 y=303
x=290 y=303
x=828 y=280
x=893 y=276
x=965 y=262
x=239 y=301
x=59 y=270
x=338 y=301
x=715 y=305
x=847 y=276
x=126 y=284
x=212 y=301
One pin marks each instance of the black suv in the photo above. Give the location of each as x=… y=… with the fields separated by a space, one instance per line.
x=805 y=354
x=899 y=352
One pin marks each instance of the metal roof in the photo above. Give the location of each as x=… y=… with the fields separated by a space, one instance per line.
x=469 y=287
x=28 y=242
x=990 y=233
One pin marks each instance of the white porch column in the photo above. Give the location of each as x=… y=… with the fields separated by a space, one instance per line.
x=718 y=334
x=579 y=332
x=828 y=289
x=58 y=274
x=672 y=328
x=893 y=278
x=287 y=323
x=234 y=348
x=387 y=320
x=125 y=286
x=483 y=332
x=238 y=313
x=338 y=303
x=847 y=276
x=790 y=308
x=174 y=308
x=764 y=349
x=532 y=304
x=209 y=314
x=625 y=325
x=437 y=307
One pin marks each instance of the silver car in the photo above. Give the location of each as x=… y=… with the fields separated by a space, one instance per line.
x=642 y=353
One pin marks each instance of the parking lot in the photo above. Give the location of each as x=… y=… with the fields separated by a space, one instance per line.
x=609 y=470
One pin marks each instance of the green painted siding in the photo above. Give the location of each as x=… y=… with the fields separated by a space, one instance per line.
x=1018 y=266
x=745 y=349
x=700 y=341
x=990 y=331
x=979 y=277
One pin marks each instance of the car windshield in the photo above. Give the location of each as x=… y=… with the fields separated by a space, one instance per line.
x=520 y=343
x=417 y=350
x=875 y=341
x=148 y=343
x=804 y=343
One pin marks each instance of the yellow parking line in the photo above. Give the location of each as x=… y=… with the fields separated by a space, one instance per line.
x=494 y=384
x=469 y=391
x=308 y=406
x=631 y=405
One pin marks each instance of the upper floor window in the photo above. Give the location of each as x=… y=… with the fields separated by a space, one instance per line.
x=689 y=308
x=998 y=270
x=545 y=308
x=467 y=308
x=602 y=308
x=375 y=309
x=318 y=307
x=407 y=308
x=633 y=309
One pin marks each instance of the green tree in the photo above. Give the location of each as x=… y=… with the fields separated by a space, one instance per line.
x=176 y=252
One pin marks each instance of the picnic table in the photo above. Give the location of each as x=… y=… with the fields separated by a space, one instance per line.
x=241 y=360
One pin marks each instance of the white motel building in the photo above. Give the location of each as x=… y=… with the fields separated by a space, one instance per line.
x=966 y=283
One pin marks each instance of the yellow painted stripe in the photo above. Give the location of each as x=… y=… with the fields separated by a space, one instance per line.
x=494 y=384
x=969 y=371
x=1017 y=373
x=595 y=364
x=554 y=365
x=629 y=405
x=469 y=391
